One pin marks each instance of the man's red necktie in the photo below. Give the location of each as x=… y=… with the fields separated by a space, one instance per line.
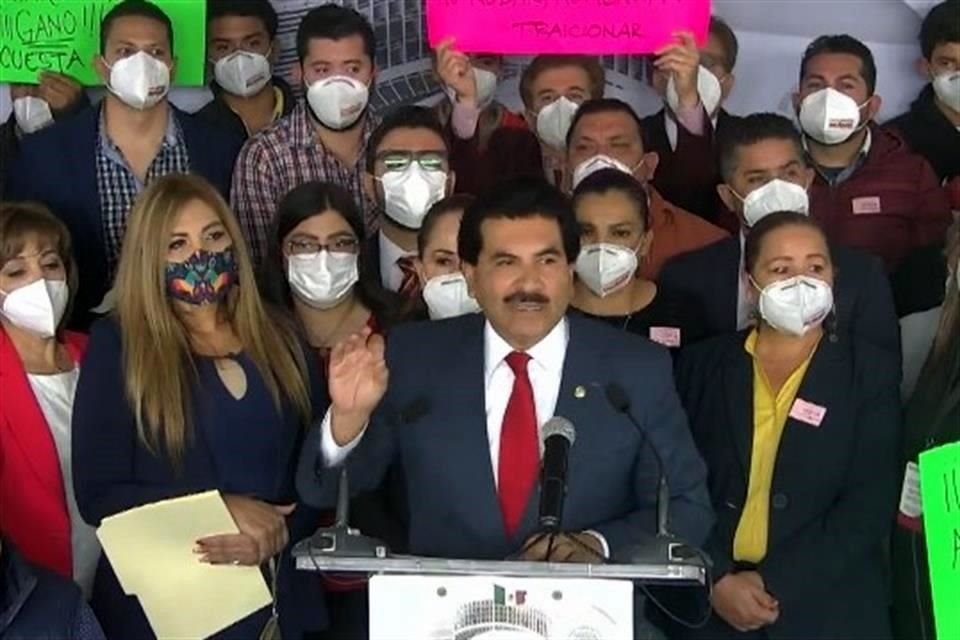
x=519 y=446
x=410 y=284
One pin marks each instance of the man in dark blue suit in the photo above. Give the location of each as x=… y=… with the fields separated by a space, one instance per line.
x=90 y=168
x=764 y=170
x=467 y=396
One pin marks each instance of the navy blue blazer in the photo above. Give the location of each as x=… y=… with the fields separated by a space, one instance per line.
x=56 y=166
x=834 y=488
x=113 y=471
x=864 y=302
x=432 y=422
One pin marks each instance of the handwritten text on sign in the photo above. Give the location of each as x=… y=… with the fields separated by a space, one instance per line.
x=564 y=26
x=940 y=489
x=64 y=36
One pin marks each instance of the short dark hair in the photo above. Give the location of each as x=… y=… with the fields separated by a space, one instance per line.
x=751 y=129
x=260 y=9
x=405 y=117
x=726 y=36
x=334 y=22
x=134 y=9
x=603 y=105
x=607 y=180
x=516 y=200
x=843 y=44
x=941 y=25
x=302 y=203
x=440 y=208
x=767 y=225
x=590 y=64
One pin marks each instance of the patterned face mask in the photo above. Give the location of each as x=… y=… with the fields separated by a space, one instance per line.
x=203 y=278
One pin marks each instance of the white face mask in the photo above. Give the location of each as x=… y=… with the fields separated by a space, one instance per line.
x=408 y=194
x=796 y=305
x=776 y=195
x=486 y=88
x=830 y=117
x=708 y=86
x=947 y=88
x=596 y=163
x=605 y=267
x=554 y=120
x=447 y=297
x=140 y=81
x=242 y=73
x=37 y=307
x=338 y=101
x=323 y=279
x=32 y=113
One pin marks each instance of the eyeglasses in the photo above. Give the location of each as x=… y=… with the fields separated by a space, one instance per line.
x=400 y=160
x=343 y=244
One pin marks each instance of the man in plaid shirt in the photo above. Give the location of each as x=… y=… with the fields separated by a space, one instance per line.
x=325 y=136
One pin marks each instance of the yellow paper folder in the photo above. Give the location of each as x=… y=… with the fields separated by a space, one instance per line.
x=151 y=551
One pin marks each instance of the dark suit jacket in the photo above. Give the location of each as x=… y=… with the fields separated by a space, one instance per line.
x=834 y=487
x=57 y=167
x=444 y=452
x=688 y=175
x=113 y=472
x=862 y=294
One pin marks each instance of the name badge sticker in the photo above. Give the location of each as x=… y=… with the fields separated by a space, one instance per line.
x=866 y=206
x=807 y=412
x=667 y=336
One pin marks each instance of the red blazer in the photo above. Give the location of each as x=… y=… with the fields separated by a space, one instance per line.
x=33 y=505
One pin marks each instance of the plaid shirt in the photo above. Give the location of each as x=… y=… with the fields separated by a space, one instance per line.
x=282 y=157
x=119 y=185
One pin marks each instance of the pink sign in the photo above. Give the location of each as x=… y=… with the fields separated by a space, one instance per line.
x=529 y=27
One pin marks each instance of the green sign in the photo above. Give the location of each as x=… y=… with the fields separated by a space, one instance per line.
x=940 y=490
x=64 y=36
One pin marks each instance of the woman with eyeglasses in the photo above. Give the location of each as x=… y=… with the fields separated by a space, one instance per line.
x=317 y=268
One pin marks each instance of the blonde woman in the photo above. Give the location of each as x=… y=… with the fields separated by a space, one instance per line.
x=195 y=385
x=931 y=419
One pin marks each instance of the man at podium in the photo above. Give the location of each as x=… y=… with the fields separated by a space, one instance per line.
x=467 y=397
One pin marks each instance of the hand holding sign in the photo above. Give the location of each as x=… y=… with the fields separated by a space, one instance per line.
x=681 y=60
x=456 y=71
x=61 y=92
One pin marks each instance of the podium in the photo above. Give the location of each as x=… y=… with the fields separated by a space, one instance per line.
x=462 y=599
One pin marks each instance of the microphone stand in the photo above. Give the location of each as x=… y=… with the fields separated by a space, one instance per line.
x=340 y=540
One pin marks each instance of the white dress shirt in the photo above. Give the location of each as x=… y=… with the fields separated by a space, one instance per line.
x=545 y=370
x=390 y=252
x=55 y=395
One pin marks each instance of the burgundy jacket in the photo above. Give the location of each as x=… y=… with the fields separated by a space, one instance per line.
x=891 y=205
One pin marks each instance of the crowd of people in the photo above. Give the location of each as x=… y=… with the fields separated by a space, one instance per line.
x=247 y=298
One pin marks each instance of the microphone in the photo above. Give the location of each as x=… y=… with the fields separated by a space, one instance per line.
x=620 y=402
x=558 y=436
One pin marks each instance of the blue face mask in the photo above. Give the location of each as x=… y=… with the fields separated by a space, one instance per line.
x=203 y=278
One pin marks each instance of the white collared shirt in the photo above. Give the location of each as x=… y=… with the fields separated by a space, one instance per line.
x=545 y=370
x=390 y=252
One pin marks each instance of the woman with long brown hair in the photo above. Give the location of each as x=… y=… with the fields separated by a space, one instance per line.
x=192 y=385
x=931 y=419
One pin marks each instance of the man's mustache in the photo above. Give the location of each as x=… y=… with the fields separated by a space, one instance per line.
x=521 y=297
